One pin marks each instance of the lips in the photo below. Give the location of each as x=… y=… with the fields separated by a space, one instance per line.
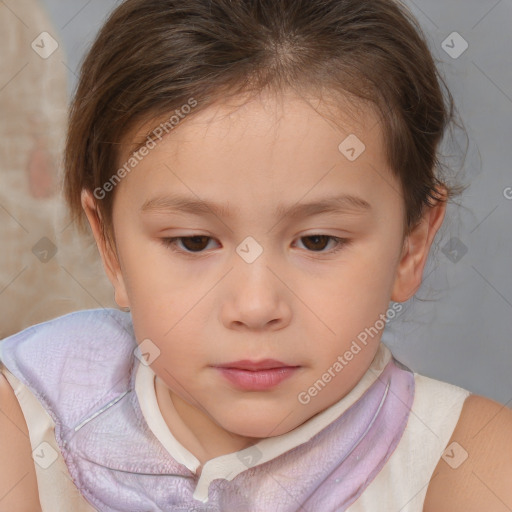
x=246 y=364
x=256 y=375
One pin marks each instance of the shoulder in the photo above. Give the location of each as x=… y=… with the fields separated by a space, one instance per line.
x=18 y=484
x=475 y=471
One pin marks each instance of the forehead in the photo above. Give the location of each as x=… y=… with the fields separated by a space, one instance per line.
x=281 y=142
x=263 y=111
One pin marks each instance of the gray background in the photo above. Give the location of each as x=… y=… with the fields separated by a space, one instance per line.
x=461 y=331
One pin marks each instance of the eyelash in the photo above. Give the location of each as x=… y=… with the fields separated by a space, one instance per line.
x=171 y=243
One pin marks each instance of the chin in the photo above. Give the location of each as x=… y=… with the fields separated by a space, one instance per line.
x=257 y=425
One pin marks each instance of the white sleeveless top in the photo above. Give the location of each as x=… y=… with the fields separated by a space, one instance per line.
x=401 y=484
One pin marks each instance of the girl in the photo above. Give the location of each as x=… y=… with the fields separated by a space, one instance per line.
x=261 y=179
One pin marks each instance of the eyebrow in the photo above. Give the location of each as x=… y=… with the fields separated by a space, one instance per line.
x=184 y=204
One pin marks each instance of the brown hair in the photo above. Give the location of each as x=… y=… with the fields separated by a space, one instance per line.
x=152 y=56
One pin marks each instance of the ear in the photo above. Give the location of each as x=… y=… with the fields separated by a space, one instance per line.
x=416 y=249
x=107 y=252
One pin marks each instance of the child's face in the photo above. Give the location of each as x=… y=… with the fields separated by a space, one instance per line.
x=297 y=302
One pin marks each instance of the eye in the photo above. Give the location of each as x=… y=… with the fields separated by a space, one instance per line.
x=197 y=244
x=192 y=244
x=317 y=242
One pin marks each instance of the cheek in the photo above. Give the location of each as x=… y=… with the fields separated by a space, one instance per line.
x=164 y=304
x=171 y=339
x=368 y=270
x=358 y=290
x=146 y=270
x=153 y=301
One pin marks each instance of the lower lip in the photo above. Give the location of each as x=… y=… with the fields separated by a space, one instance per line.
x=257 y=380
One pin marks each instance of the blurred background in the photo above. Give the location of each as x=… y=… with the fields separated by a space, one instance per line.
x=457 y=329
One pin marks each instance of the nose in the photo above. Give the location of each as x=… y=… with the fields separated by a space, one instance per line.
x=255 y=297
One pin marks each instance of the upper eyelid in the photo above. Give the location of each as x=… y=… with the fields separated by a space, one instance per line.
x=181 y=237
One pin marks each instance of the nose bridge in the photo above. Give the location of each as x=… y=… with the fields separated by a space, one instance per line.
x=252 y=262
x=255 y=294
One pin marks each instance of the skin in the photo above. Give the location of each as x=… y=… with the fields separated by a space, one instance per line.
x=18 y=484
x=482 y=481
x=292 y=304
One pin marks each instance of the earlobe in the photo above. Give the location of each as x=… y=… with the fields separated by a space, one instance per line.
x=108 y=256
x=415 y=252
